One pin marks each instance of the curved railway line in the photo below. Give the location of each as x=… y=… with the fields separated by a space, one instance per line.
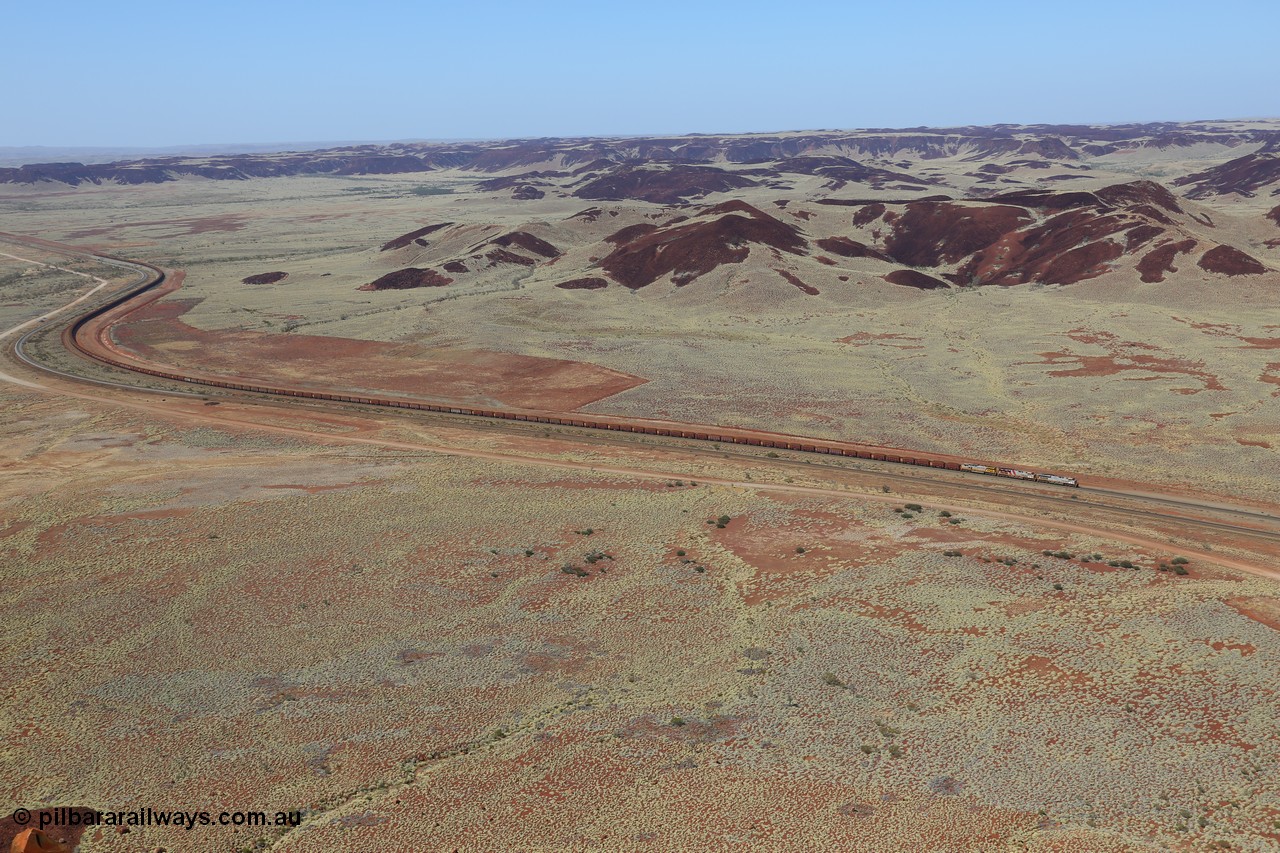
x=88 y=336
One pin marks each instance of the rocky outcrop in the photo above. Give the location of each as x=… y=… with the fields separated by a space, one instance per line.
x=265 y=278
x=408 y=279
x=724 y=234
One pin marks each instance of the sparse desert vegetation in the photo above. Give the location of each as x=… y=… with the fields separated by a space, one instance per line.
x=482 y=636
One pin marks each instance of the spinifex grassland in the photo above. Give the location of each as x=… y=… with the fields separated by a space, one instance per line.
x=238 y=606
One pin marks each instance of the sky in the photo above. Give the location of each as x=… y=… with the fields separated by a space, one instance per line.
x=150 y=74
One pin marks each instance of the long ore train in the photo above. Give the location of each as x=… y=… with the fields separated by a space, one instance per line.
x=808 y=445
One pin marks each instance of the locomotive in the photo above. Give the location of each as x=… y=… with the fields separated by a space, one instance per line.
x=1018 y=474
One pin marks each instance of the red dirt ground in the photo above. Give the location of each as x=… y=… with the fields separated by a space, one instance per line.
x=1265 y=611
x=1113 y=364
x=481 y=377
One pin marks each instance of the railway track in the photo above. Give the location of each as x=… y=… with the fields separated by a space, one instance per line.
x=88 y=337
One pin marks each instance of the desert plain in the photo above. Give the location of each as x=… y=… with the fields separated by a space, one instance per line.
x=432 y=632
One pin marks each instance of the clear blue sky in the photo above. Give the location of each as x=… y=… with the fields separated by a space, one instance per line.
x=95 y=73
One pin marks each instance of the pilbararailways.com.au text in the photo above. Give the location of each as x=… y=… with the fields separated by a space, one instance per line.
x=61 y=817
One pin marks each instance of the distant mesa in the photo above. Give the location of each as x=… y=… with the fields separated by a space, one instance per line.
x=610 y=162
x=522 y=179
x=366 y=160
x=265 y=278
x=671 y=185
x=591 y=283
x=1244 y=176
x=845 y=170
x=527 y=192
x=408 y=279
x=915 y=278
x=1228 y=260
x=405 y=239
x=724 y=234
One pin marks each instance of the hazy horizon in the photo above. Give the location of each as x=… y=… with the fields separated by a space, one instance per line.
x=400 y=71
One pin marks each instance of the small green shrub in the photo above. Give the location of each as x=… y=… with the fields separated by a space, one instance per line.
x=832 y=680
x=914 y=507
x=1180 y=561
x=1058 y=587
x=680 y=553
x=944 y=514
x=677 y=721
x=799 y=550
